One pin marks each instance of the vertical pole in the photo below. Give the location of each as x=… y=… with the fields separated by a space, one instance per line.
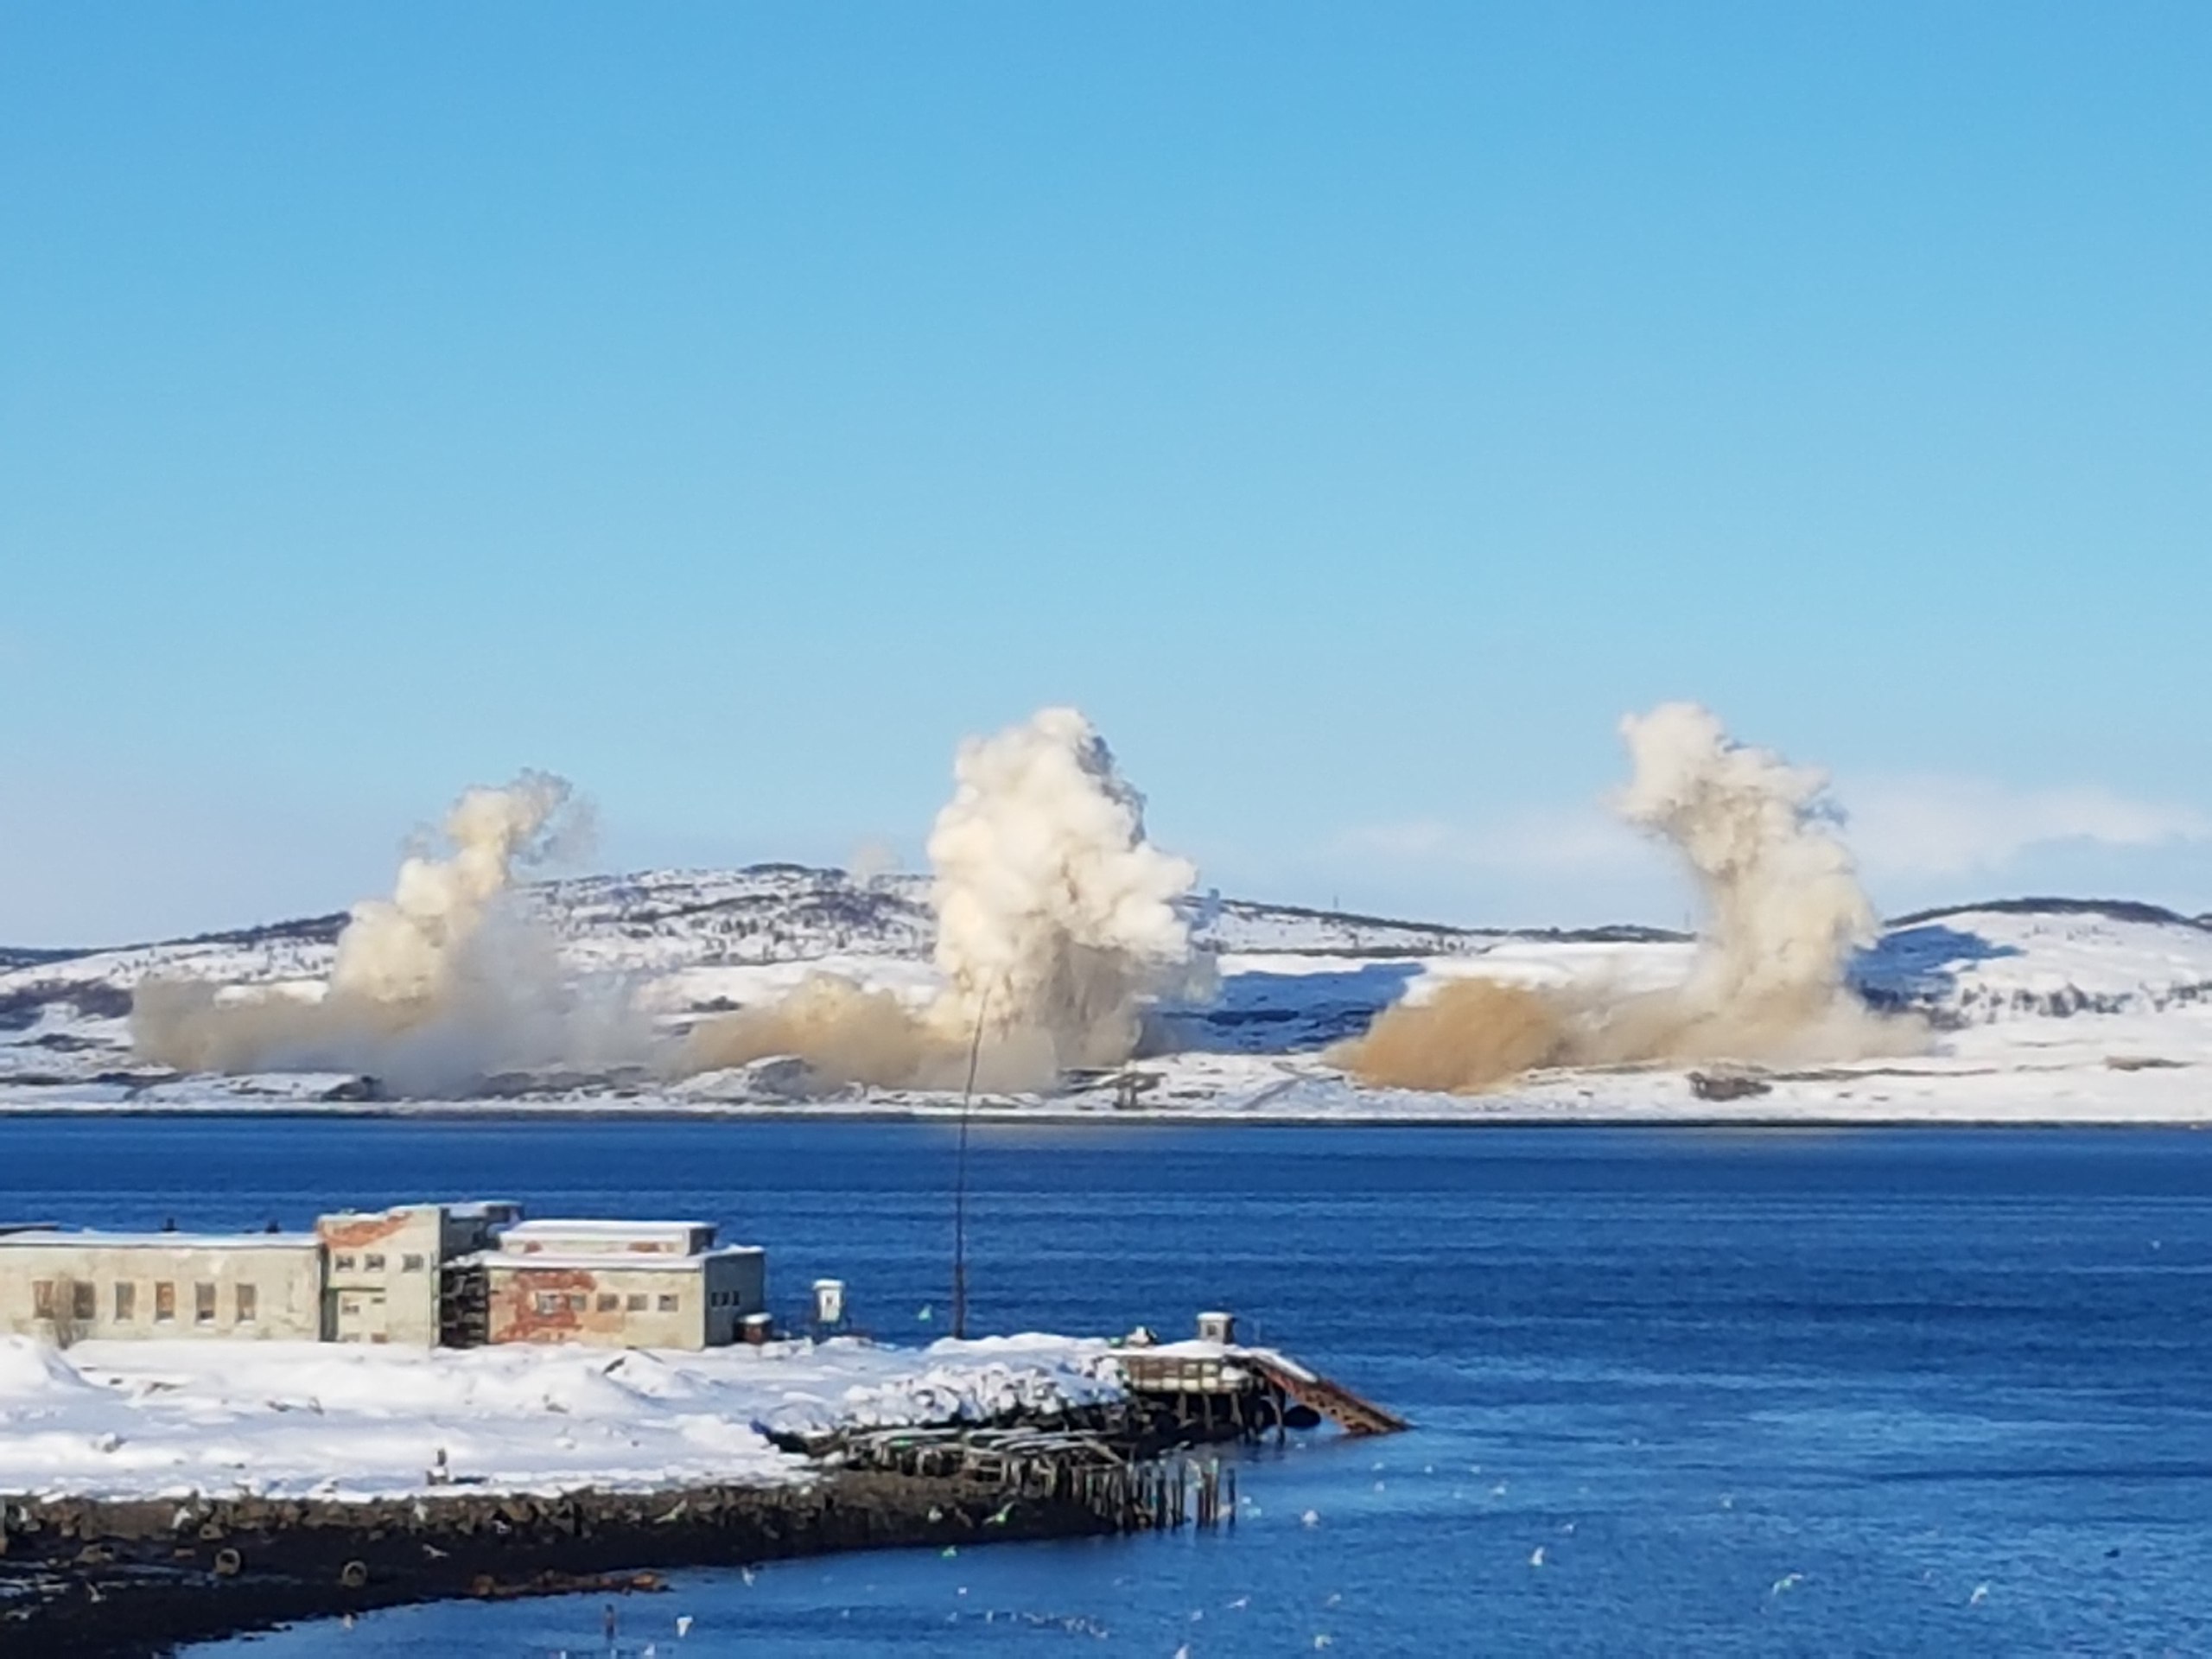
x=960 y=1180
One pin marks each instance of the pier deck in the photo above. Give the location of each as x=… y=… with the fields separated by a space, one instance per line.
x=1247 y=1391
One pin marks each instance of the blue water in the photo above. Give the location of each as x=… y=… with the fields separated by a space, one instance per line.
x=1888 y=1392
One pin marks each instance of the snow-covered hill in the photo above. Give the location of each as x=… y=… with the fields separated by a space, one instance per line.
x=661 y=921
x=2041 y=1007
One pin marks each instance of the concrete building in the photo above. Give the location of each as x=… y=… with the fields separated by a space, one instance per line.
x=616 y=1284
x=453 y=1276
x=66 y=1287
x=387 y=1275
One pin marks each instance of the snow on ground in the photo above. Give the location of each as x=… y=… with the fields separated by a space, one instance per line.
x=114 y=1419
x=2041 y=1010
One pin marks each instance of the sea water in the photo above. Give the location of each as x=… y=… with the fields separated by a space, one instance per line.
x=1674 y=1391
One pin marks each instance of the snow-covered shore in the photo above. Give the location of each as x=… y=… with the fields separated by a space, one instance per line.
x=313 y=1420
x=2041 y=1012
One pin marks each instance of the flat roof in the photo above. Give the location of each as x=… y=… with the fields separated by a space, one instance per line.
x=552 y=1226
x=587 y=1261
x=97 y=1241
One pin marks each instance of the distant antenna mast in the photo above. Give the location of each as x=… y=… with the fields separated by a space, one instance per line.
x=960 y=1180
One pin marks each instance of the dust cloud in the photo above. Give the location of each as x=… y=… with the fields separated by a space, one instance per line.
x=432 y=989
x=1056 y=926
x=1767 y=981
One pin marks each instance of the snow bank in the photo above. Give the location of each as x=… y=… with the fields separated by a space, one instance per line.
x=31 y=1371
x=114 y=1419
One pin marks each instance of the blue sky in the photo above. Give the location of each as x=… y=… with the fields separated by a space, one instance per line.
x=1356 y=410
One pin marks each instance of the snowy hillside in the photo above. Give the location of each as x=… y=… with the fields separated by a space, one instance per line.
x=2041 y=957
x=2037 y=1008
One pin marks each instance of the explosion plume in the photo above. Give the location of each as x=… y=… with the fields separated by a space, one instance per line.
x=1056 y=924
x=431 y=989
x=1783 y=910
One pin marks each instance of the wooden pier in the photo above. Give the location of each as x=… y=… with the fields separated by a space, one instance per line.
x=1129 y=1462
x=1221 y=1390
x=1125 y=1493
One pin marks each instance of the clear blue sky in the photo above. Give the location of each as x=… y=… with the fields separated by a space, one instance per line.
x=1354 y=409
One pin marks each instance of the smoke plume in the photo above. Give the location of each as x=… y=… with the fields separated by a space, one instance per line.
x=1784 y=914
x=1056 y=926
x=432 y=988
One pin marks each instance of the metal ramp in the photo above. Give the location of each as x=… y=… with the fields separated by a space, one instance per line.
x=1332 y=1399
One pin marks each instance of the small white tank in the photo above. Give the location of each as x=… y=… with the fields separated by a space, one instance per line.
x=1217 y=1326
x=828 y=1301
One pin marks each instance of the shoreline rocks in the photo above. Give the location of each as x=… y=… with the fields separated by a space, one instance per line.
x=129 y=1578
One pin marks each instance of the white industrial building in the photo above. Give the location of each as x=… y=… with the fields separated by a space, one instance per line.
x=620 y=1284
x=160 y=1286
x=422 y=1275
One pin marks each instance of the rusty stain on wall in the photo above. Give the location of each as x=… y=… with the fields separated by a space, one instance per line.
x=356 y=1232
x=516 y=1316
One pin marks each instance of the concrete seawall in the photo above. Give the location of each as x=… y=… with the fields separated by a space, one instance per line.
x=118 y=1580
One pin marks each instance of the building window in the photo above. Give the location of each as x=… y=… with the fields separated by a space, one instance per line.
x=84 y=1301
x=669 y=1304
x=637 y=1303
x=203 y=1304
x=551 y=1301
x=578 y=1301
x=410 y=1264
x=609 y=1302
x=343 y=1264
x=126 y=1301
x=249 y=1304
x=372 y=1264
x=164 y=1303
x=43 y=1299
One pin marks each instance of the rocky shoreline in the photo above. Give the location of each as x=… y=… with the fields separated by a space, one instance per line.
x=110 y=1578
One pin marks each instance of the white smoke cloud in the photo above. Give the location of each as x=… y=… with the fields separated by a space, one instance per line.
x=1056 y=927
x=1784 y=909
x=1784 y=914
x=1056 y=916
x=408 y=948
x=432 y=989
